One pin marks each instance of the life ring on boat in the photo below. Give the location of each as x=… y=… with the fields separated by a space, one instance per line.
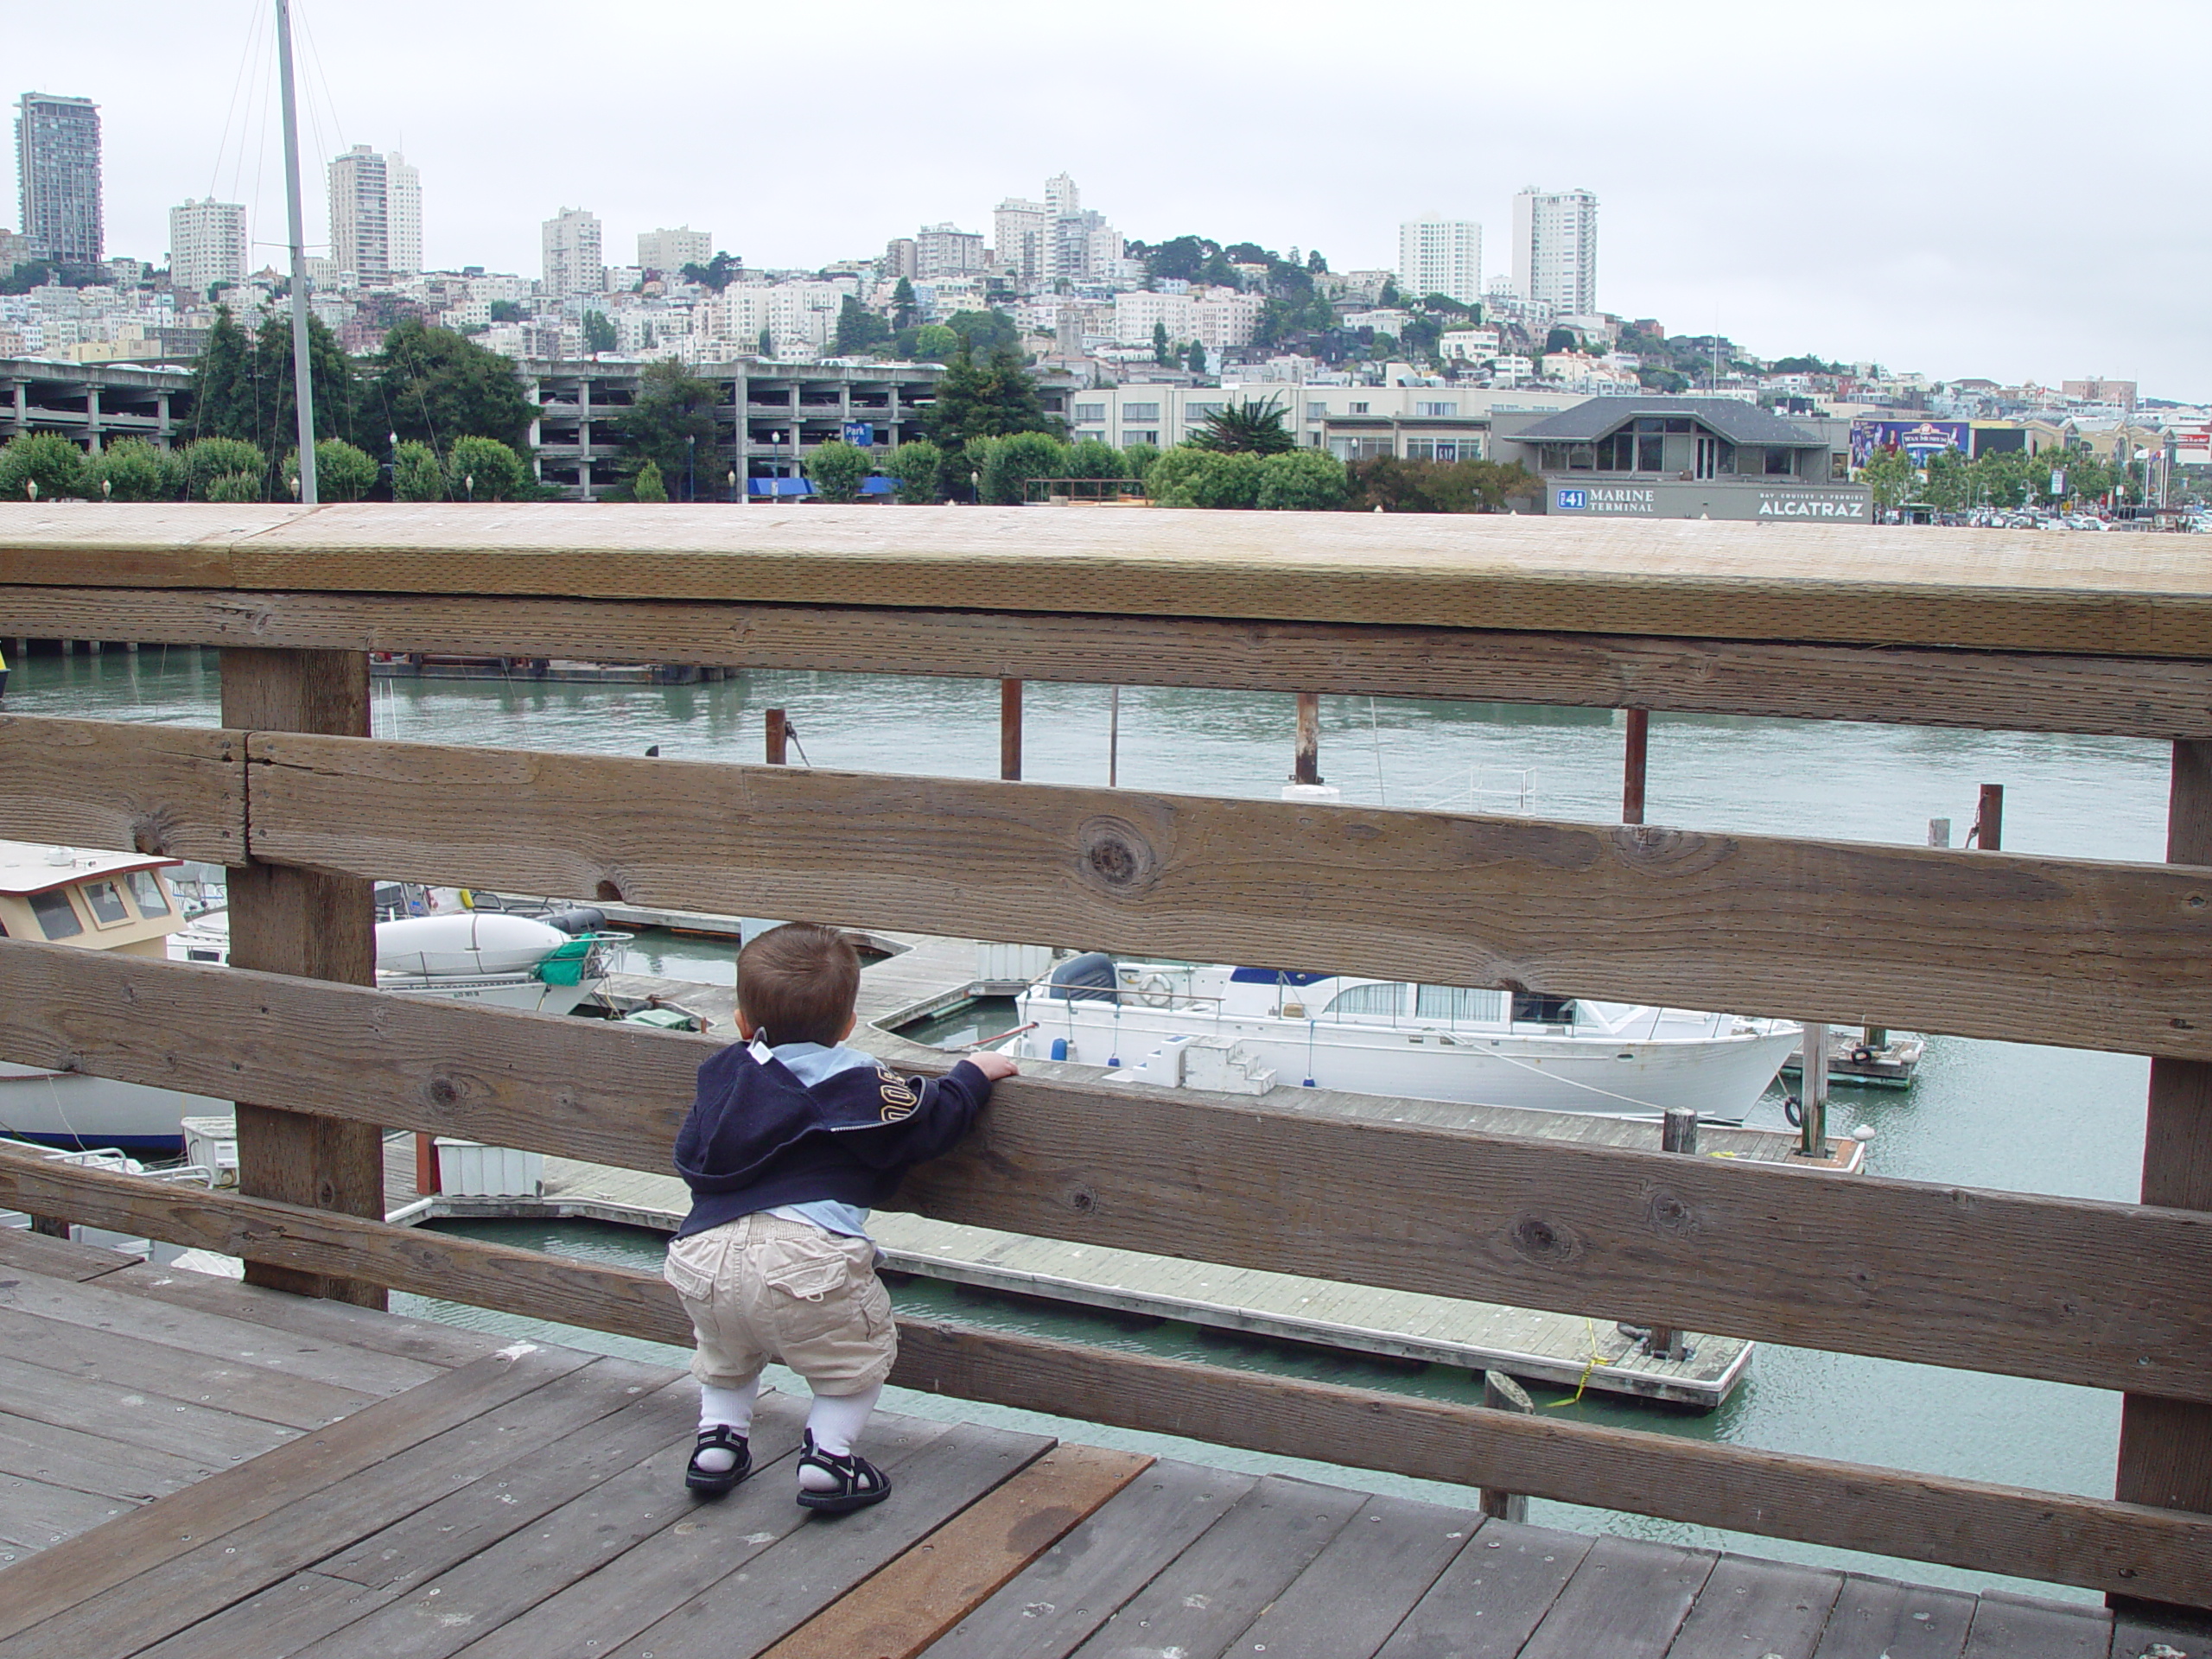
x=1155 y=991
x=1793 y=1111
x=1861 y=1054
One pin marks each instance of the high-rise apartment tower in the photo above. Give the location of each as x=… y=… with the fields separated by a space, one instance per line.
x=1440 y=256
x=669 y=251
x=1555 y=249
x=58 y=166
x=208 y=246
x=574 y=262
x=376 y=215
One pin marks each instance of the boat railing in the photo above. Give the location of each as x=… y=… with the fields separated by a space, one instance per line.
x=308 y=810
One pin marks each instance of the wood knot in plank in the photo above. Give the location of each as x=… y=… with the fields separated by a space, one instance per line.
x=1112 y=854
x=1662 y=851
x=1547 y=1243
x=1667 y=1212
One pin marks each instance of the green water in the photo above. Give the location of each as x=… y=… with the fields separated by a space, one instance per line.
x=1991 y=1114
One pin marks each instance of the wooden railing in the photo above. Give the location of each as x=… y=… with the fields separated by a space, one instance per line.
x=1731 y=619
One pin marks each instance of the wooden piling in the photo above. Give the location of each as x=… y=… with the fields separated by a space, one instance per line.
x=1988 y=832
x=1677 y=1133
x=1307 y=766
x=1010 y=729
x=1812 y=1093
x=1632 y=764
x=778 y=735
x=1114 y=738
x=1502 y=1393
x=1939 y=832
x=428 y=1177
x=287 y=920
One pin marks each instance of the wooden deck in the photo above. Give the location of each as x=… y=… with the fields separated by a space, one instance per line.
x=197 y=1470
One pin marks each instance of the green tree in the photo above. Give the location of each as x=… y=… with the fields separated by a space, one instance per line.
x=919 y=468
x=1562 y=340
x=1160 y=344
x=647 y=485
x=1421 y=335
x=1138 y=461
x=767 y=344
x=433 y=386
x=1304 y=481
x=1196 y=360
x=986 y=332
x=859 y=329
x=599 y=331
x=234 y=488
x=484 y=469
x=342 y=472
x=415 y=474
x=837 y=470
x=46 y=459
x=507 y=311
x=1186 y=476
x=1950 y=481
x=1394 y=485
x=132 y=469
x=718 y=273
x=213 y=458
x=671 y=423
x=1889 y=472
x=1091 y=459
x=222 y=382
x=245 y=389
x=902 y=306
x=1245 y=428
x=1010 y=464
x=935 y=342
x=985 y=400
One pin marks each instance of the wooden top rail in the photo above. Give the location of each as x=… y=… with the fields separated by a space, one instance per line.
x=2106 y=1295
x=2000 y=590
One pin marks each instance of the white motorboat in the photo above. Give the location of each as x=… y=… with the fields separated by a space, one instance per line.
x=469 y=956
x=1247 y=1029
x=91 y=901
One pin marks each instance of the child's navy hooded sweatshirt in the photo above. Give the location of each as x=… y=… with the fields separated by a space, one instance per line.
x=758 y=1137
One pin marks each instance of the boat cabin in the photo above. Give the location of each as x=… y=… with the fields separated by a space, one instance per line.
x=97 y=901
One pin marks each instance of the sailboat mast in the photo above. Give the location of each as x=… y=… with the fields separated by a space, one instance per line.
x=301 y=380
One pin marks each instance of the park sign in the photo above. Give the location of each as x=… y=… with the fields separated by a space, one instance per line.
x=860 y=434
x=1918 y=439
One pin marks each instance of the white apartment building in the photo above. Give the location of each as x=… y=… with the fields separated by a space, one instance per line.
x=1220 y=319
x=376 y=215
x=1056 y=239
x=799 y=318
x=1555 y=248
x=208 y=246
x=946 y=250
x=1351 y=423
x=574 y=262
x=669 y=251
x=1440 y=256
x=1470 y=345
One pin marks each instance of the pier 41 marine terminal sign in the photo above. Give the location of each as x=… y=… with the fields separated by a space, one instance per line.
x=1734 y=498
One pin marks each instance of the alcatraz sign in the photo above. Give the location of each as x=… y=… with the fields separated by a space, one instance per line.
x=1799 y=504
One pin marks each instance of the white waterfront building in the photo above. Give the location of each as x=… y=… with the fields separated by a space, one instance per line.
x=1440 y=256
x=1555 y=248
x=1351 y=423
x=207 y=247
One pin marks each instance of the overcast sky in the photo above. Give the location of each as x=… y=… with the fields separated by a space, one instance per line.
x=1961 y=187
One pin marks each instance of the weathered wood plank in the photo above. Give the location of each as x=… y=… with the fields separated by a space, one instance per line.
x=327 y=1324
x=70 y=1581
x=1880 y=1618
x=1050 y=1608
x=2023 y=949
x=35 y=1515
x=719 y=1541
x=57 y=1258
x=2018 y=1627
x=1627 y=1600
x=1989 y=691
x=1201 y=1601
x=1360 y=1588
x=154 y=1421
x=1755 y=1607
x=919 y=1596
x=313 y=923
x=1860 y=585
x=125 y=786
x=1865 y=1266
x=92 y=1462
x=1494 y=1594
x=794 y=1578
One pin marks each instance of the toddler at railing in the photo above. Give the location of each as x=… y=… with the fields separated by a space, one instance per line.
x=792 y=1139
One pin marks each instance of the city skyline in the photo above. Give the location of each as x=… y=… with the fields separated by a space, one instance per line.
x=1846 y=255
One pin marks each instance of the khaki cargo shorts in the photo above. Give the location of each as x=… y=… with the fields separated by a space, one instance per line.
x=765 y=1288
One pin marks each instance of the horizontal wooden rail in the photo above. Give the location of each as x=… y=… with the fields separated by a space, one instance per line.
x=2108 y=1296
x=2066 y=952
x=2097 y=1543
x=125 y=788
x=1989 y=691
x=1857 y=585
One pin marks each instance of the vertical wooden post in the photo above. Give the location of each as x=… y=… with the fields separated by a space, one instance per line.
x=2165 y=1445
x=289 y=921
x=428 y=1177
x=1307 y=766
x=1632 y=760
x=1114 y=739
x=1989 y=818
x=1677 y=1133
x=1939 y=832
x=1010 y=729
x=1502 y=1393
x=1812 y=1093
x=779 y=734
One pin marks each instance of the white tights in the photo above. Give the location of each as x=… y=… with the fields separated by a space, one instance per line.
x=836 y=1419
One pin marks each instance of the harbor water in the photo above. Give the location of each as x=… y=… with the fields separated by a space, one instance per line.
x=2004 y=1115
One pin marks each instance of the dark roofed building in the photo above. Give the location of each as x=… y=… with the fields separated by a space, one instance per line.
x=1683 y=458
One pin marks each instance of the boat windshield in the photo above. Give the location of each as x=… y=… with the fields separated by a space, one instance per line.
x=1458 y=1005
x=1383 y=1001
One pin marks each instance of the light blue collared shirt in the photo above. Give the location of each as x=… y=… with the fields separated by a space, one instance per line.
x=811 y=1063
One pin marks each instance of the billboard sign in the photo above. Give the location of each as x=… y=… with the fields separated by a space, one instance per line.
x=860 y=434
x=1918 y=439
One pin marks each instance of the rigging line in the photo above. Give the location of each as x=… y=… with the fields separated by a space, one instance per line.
x=1382 y=794
x=315 y=56
x=1557 y=1076
x=238 y=83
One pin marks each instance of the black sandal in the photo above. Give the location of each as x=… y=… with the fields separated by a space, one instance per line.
x=713 y=1483
x=859 y=1482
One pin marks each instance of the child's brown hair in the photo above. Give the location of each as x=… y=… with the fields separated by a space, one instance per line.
x=797 y=983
